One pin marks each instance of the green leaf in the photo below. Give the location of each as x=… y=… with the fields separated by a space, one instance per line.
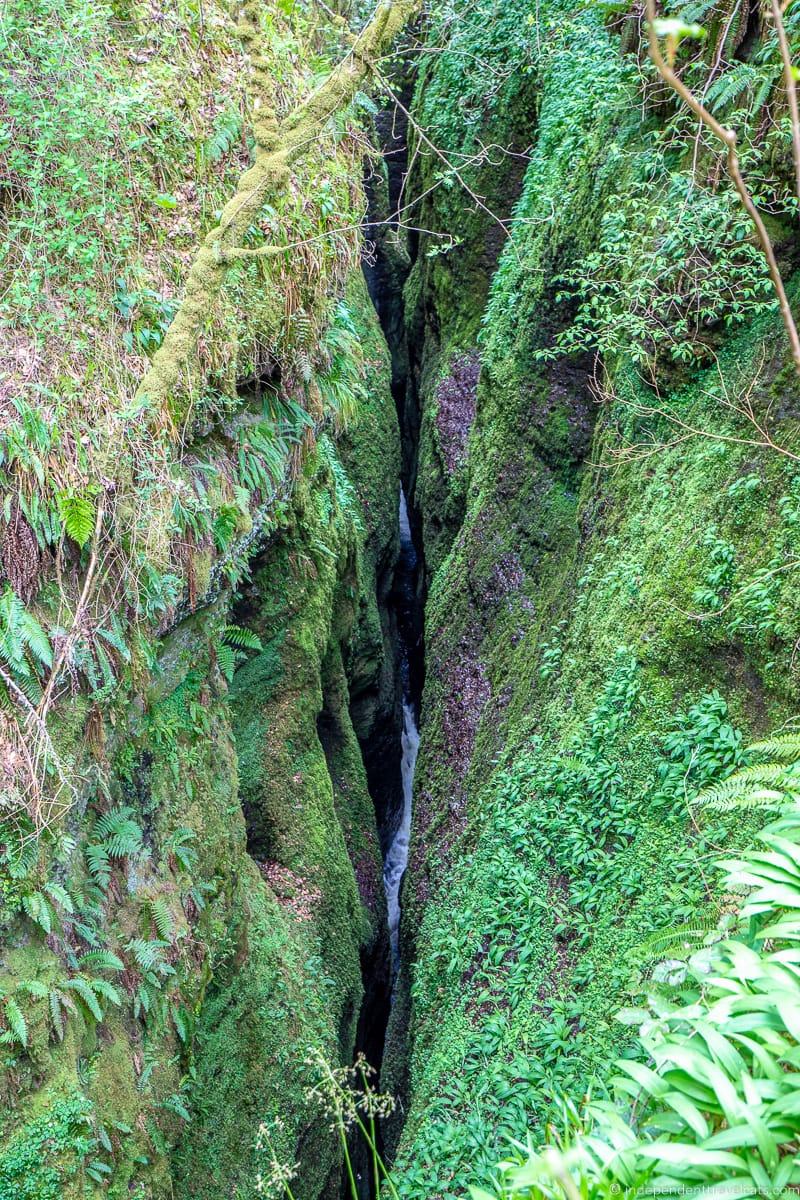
x=16 y=1021
x=78 y=514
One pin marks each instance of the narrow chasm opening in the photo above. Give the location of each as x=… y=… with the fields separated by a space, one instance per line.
x=390 y=752
x=394 y=808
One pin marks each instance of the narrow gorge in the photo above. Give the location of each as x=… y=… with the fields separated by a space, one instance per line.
x=399 y=600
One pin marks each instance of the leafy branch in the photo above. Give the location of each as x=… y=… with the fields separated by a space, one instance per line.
x=674 y=31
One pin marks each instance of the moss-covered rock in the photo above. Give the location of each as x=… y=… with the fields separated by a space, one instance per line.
x=611 y=612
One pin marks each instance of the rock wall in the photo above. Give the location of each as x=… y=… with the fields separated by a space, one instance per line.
x=609 y=605
x=252 y=891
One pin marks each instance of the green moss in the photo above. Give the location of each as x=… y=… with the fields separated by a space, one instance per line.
x=286 y=974
x=597 y=637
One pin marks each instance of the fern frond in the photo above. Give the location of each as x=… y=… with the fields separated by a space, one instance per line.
x=60 y=895
x=38 y=908
x=227 y=128
x=57 y=998
x=226 y=661
x=34 y=987
x=16 y=1021
x=102 y=987
x=784 y=748
x=162 y=918
x=243 y=639
x=179 y=845
x=766 y=786
x=99 y=865
x=104 y=960
x=85 y=993
x=732 y=84
x=678 y=939
x=78 y=514
x=148 y=954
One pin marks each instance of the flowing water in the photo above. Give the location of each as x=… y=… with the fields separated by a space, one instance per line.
x=397 y=855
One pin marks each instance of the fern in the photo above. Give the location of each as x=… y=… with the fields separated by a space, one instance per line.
x=784 y=748
x=60 y=1003
x=60 y=895
x=672 y=943
x=226 y=661
x=103 y=960
x=175 y=1104
x=99 y=1171
x=766 y=786
x=227 y=128
x=17 y=1024
x=149 y=955
x=243 y=639
x=263 y=456
x=25 y=649
x=162 y=918
x=99 y=864
x=39 y=909
x=182 y=1020
x=78 y=514
x=741 y=78
x=85 y=994
x=117 y=836
x=102 y=987
x=114 y=637
x=226 y=522
x=178 y=846
x=229 y=652
x=35 y=988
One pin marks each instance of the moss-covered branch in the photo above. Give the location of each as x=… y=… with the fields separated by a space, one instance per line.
x=277 y=147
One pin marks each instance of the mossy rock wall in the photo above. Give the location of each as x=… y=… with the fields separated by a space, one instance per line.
x=262 y=928
x=604 y=631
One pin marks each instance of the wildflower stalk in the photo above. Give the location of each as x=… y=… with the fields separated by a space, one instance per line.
x=351 y=1107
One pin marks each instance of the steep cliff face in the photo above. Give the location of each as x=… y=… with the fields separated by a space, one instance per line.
x=610 y=607
x=309 y=905
x=191 y=608
x=233 y=924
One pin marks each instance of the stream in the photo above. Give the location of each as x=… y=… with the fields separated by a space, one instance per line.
x=397 y=853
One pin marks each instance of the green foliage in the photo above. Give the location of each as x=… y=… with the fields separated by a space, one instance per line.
x=25 y=650
x=148 y=315
x=78 y=514
x=180 y=847
x=115 y=835
x=232 y=647
x=17 y=1026
x=227 y=130
x=341 y=377
x=714 y=1102
x=47 y=1154
x=719 y=575
x=664 y=275
x=582 y=856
